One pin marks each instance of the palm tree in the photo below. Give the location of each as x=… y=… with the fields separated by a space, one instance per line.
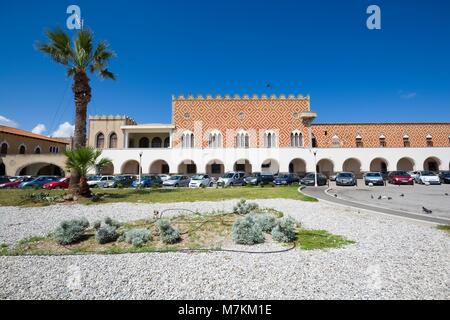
x=83 y=160
x=79 y=57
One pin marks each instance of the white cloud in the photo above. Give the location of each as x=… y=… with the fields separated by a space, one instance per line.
x=7 y=122
x=64 y=130
x=407 y=95
x=39 y=129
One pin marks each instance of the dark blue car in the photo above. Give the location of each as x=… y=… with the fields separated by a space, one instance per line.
x=38 y=182
x=147 y=182
x=286 y=178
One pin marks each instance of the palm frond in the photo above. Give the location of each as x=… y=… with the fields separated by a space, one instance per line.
x=106 y=74
x=85 y=159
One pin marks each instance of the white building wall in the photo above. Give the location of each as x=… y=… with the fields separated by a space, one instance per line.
x=284 y=156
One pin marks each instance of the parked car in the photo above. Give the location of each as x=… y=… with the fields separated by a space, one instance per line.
x=309 y=179
x=16 y=183
x=333 y=177
x=428 y=177
x=123 y=181
x=414 y=174
x=101 y=181
x=38 y=182
x=147 y=182
x=164 y=176
x=14 y=178
x=233 y=178
x=4 y=179
x=400 y=177
x=374 y=178
x=286 y=178
x=200 y=180
x=62 y=183
x=346 y=179
x=445 y=177
x=177 y=181
x=258 y=178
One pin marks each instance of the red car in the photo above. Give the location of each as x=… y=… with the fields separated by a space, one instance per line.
x=60 y=184
x=15 y=184
x=400 y=177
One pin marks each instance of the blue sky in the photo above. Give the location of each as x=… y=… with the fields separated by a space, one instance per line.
x=321 y=48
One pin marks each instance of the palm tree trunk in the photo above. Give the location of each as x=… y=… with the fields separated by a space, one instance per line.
x=82 y=93
x=84 y=188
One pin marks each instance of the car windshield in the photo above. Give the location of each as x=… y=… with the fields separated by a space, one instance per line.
x=283 y=176
x=175 y=178
x=198 y=177
x=228 y=175
x=428 y=173
x=94 y=178
x=446 y=174
x=401 y=173
x=62 y=179
x=310 y=176
x=373 y=174
x=345 y=175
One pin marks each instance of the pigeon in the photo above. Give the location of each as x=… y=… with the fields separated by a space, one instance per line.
x=335 y=195
x=446 y=194
x=389 y=198
x=371 y=196
x=402 y=195
x=379 y=198
x=428 y=211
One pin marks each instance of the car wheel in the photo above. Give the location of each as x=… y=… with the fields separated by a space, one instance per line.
x=211 y=184
x=58 y=187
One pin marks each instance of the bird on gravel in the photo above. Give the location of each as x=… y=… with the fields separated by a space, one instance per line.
x=389 y=198
x=371 y=196
x=402 y=195
x=379 y=198
x=446 y=194
x=428 y=211
x=335 y=195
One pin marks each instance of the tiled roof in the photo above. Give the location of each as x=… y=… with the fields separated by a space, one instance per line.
x=28 y=134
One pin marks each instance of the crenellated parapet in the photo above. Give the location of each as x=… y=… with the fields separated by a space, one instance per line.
x=240 y=97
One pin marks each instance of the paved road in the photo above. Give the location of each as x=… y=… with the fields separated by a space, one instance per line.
x=319 y=193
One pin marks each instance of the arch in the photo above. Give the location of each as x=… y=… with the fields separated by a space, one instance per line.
x=108 y=170
x=243 y=165
x=352 y=165
x=215 y=168
x=242 y=139
x=167 y=142
x=113 y=140
x=130 y=167
x=187 y=140
x=100 y=140
x=144 y=142
x=270 y=166
x=187 y=167
x=405 y=164
x=432 y=164
x=39 y=169
x=37 y=150
x=296 y=139
x=214 y=139
x=159 y=166
x=4 y=148
x=379 y=165
x=313 y=141
x=22 y=149
x=156 y=142
x=335 y=141
x=270 y=139
x=325 y=166
x=297 y=165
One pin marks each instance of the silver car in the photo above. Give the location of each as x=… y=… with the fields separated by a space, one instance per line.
x=177 y=181
x=101 y=181
x=374 y=178
x=232 y=179
x=200 y=180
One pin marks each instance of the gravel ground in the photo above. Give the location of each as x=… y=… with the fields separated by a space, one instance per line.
x=392 y=259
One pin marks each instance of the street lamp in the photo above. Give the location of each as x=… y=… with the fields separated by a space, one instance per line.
x=314 y=152
x=140 y=167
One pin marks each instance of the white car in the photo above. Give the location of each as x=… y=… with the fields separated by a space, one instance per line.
x=414 y=174
x=200 y=180
x=164 y=177
x=427 y=177
x=100 y=181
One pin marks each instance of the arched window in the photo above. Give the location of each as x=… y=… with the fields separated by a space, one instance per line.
x=429 y=140
x=270 y=139
x=335 y=141
x=359 y=142
x=4 y=149
x=187 y=140
x=383 y=143
x=313 y=141
x=156 y=142
x=144 y=142
x=296 y=139
x=100 y=141
x=214 y=140
x=242 y=140
x=167 y=142
x=406 y=142
x=37 y=150
x=22 y=149
x=113 y=140
x=51 y=149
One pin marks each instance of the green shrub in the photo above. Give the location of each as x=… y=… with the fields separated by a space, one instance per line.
x=106 y=234
x=284 y=231
x=167 y=233
x=265 y=221
x=247 y=231
x=243 y=207
x=137 y=237
x=71 y=231
x=112 y=222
